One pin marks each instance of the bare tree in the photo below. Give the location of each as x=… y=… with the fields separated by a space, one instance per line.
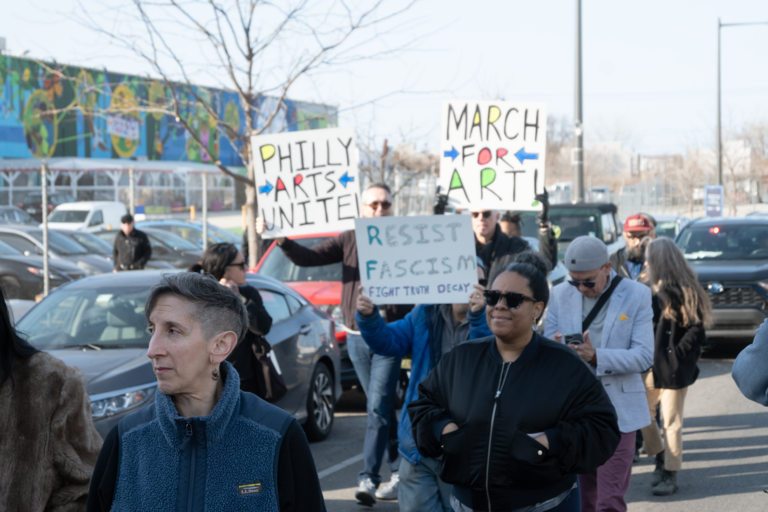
x=257 y=49
x=756 y=136
x=559 y=143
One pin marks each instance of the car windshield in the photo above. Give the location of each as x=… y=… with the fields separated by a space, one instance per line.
x=69 y=216
x=176 y=242
x=104 y=317
x=575 y=223
x=94 y=244
x=729 y=242
x=59 y=243
x=668 y=229
x=225 y=235
x=32 y=198
x=190 y=233
x=277 y=265
x=7 y=250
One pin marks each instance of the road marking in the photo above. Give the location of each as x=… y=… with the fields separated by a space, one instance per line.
x=338 y=467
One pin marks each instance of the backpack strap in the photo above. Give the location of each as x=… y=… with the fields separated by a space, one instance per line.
x=600 y=303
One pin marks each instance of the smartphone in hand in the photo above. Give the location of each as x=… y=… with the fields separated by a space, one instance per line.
x=574 y=339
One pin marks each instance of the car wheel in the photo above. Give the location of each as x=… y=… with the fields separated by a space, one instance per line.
x=320 y=404
x=11 y=287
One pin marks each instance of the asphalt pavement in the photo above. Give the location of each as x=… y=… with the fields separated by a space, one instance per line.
x=725 y=451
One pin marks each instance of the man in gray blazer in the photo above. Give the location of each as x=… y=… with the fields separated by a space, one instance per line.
x=618 y=347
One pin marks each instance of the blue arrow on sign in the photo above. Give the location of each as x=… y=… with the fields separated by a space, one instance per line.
x=266 y=189
x=452 y=153
x=522 y=155
x=345 y=179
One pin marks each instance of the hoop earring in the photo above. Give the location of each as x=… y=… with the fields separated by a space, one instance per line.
x=534 y=326
x=215 y=374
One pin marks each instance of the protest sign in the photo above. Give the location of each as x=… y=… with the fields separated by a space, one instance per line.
x=307 y=181
x=493 y=154
x=417 y=260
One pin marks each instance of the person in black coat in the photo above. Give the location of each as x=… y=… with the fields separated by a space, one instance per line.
x=132 y=249
x=515 y=416
x=681 y=310
x=225 y=263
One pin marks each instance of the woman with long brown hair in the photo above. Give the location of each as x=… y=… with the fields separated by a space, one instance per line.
x=681 y=311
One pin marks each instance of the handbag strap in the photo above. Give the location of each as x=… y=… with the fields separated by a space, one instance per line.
x=600 y=303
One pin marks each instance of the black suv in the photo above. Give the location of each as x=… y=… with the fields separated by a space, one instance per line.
x=730 y=256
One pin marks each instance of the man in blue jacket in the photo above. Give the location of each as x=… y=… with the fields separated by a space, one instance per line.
x=426 y=333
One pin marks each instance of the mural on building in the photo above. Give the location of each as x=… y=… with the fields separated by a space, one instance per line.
x=51 y=110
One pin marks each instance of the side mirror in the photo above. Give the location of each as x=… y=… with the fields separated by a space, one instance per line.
x=609 y=238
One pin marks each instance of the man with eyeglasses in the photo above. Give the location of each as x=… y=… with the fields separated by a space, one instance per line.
x=608 y=321
x=638 y=231
x=378 y=375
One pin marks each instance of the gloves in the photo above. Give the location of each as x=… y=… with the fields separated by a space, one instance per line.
x=441 y=201
x=543 y=215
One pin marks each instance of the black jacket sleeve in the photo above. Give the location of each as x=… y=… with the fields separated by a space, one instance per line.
x=104 y=479
x=297 y=482
x=327 y=252
x=430 y=408
x=146 y=252
x=548 y=247
x=115 y=253
x=258 y=318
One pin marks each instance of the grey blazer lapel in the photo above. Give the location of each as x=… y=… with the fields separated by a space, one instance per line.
x=574 y=306
x=615 y=303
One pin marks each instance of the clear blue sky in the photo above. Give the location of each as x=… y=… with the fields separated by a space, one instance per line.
x=649 y=67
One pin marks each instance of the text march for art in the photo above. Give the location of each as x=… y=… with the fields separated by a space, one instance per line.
x=307 y=182
x=493 y=154
x=426 y=260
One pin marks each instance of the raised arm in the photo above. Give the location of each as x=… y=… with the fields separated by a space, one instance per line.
x=326 y=252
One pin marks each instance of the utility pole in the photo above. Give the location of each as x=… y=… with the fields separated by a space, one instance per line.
x=577 y=154
x=46 y=271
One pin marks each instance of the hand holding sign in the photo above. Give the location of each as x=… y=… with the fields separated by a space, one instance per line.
x=364 y=304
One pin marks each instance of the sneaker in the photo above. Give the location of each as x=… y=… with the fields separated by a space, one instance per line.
x=659 y=471
x=668 y=484
x=389 y=491
x=366 y=493
x=636 y=458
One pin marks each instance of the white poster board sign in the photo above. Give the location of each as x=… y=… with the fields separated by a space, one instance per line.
x=493 y=154
x=417 y=260
x=307 y=181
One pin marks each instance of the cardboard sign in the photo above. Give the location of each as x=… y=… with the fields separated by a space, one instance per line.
x=493 y=154
x=307 y=181
x=417 y=260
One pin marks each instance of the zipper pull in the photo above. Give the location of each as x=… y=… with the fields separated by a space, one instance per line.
x=189 y=429
x=497 y=395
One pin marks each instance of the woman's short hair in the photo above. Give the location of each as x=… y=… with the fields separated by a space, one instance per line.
x=532 y=267
x=216 y=307
x=216 y=259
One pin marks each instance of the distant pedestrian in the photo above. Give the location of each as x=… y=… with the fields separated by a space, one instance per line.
x=681 y=310
x=510 y=224
x=227 y=265
x=515 y=416
x=426 y=334
x=203 y=444
x=378 y=375
x=48 y=444
x=608 y=321
x=750 y=370
x=629 y=262
x=132 y=249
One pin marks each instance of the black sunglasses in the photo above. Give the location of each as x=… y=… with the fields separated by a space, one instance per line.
x=486 y=214
x=242 y=265
x=385 y=205
x=585 y=284
x=512 y=299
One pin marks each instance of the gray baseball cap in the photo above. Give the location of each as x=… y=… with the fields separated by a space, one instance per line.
x=586 y=253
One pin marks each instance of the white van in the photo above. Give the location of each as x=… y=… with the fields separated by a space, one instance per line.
x=87 y=215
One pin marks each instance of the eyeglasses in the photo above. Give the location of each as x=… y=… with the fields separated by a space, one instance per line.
x=512 y=299
x=486 y=214
x=242 y=265
x=585 y=284
x=385 y=205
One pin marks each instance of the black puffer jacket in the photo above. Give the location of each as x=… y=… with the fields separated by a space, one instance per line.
x=677 y=351
x=491 y=461
x=131 y=252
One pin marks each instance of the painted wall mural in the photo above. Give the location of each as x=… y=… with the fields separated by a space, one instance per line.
x=52 y=110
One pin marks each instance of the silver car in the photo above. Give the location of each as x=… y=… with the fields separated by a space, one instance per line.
x=97 y=324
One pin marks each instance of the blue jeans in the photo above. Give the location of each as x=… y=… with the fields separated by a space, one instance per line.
x=421 y=489
x=378 y=375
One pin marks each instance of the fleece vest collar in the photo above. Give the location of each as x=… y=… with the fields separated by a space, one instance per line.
x=215 y=424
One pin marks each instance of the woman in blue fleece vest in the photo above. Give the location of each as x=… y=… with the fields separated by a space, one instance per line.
x=204 y=445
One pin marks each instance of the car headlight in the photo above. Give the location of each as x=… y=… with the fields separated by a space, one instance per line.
x=39 y=272
x=116 y=402
x=334 y=311
x=89 y=269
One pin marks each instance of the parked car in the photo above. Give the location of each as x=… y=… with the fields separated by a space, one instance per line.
x=32 y=202
x=14 y=215
x=87 y=215
x=21 y=277
x=29 y=241
x=100 y=247
x=574 y=220
x=669 y=226
x=730 y=256
x=193 y=231
x=167 y=248
x=98 y=325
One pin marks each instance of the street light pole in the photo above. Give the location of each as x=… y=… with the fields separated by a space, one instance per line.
x=577 y=154
x=720 y=25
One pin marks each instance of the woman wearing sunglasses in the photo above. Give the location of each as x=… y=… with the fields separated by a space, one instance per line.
x=225 y=263
x=515 y=416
